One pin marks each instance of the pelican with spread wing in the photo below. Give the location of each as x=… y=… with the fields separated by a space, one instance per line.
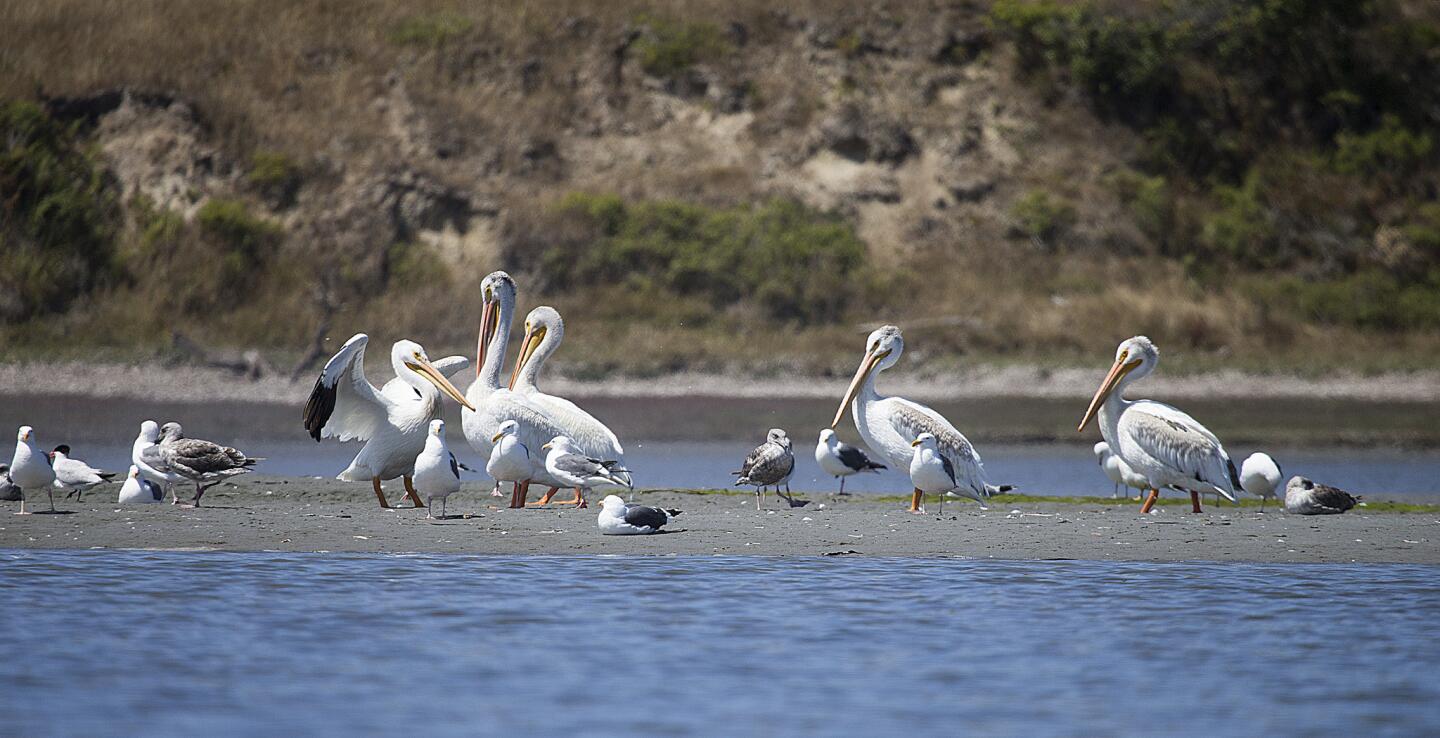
x=888 y=425
x=544 y=330
x=1157 y=441
x=393 y=420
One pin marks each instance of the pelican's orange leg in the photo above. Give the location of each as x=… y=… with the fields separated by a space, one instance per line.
x=380 y=495
x=411 y=494
x=517 y=495
x=1195 y=502
x=1150 y=501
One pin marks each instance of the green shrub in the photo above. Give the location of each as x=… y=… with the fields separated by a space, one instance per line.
x=1149 y=201
x=1040 y=215
x=1369 y=299
x=671 y=47
x=58 y=214
x=1391 y=148
x=276 y=175
x=432 y=30
x=794 y=263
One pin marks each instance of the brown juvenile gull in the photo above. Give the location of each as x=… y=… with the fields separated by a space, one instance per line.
x=1304 y=497
x=769 y=465
x=202 y=462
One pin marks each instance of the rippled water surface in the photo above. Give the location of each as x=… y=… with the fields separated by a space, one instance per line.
x=167 y=643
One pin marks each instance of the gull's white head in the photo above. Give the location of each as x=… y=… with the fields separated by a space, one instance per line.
x=437 y=428
x=924 y=440
x=1134 y=358
x=882 y=349
x=561 y=443
x=25 y=434
x=827 y=436
x=134 y=472
x=1102 y=450
x=507 y=428
x=150 y=431
x=612 y=503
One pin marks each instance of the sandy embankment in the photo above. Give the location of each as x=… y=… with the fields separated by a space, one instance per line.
x=293 y=514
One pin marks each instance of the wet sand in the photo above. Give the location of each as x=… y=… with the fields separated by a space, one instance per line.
x=295 y=514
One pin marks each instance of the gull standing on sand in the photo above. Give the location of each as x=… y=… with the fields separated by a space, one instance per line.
x=1304 y=497
x=544 y=330
x=139 y=490
x=148 y=437
x=73 y=475
x=1118 y=471
x=568 y=464
x=509 y=458
x=392 y=421
x=768 y=465
x=888 y=425
x=619 y=519
x=1260 y=475
x=30 y=467
x=202 y=462
x=931 y=471
x=437 y=473
x=1159 y=442
x=840 y=459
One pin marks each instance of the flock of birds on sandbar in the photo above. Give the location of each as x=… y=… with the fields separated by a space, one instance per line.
x=532 y=437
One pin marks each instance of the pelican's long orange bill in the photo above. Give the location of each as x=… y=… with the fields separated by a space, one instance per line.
x=867 y=365
x=428 y=371
x=1118 y=370
x=489 y=323
x=533 y=337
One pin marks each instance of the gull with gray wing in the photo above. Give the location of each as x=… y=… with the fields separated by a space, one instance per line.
x=768 y=465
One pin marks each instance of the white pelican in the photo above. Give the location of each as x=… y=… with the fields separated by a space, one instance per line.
x=888 y=425
x=1157 y=441
x=493 y=401
x=931 y=471
x=202 y=462
x=437 y=473
x=768 y=465
x=139 y=490
x=392 y=421
x=840 y=459
x=544 y=330
x=619 y=519
x=1260 y=475
x=30 y=467
x=73 y=475
x=148 y=437
x=1304 y=497
x=567 y=463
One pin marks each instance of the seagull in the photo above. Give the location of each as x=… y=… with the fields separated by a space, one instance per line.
x=73 y=475
x=1159 y=442
x=139 y=490
x=30 y=467
x=840 y=459
x=437 y=474
x=1260 y=475
x=391 y=420
x=619 y=519
x=567 y=464
x=509 y=459
x=768 y=465
x=196 y=460
x=931 y=471
x=1304 y=497
x=888 y=425
x=148 y=437
x=1118 y=471
x=9 y=490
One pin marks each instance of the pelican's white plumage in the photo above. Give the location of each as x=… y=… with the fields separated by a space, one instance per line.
x=1261 y=476
x=137 y=490
x=437 y=473
x=1159 y=442
x=544 y=331
x=30 y=467
x=888 y=425
x=392 y=421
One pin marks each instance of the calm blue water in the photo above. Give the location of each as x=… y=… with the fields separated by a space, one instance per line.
x=167 y=643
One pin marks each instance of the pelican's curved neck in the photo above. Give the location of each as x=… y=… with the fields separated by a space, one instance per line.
x=499 y=343
x=530 y=373
x=1111 y=411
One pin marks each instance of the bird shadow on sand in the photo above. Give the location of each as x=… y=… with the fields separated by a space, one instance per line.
x=48 y=512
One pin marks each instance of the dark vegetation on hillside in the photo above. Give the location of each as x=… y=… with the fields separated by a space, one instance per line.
x=1247 y=180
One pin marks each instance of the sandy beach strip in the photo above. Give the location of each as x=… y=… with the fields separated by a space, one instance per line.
x=308 y=515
